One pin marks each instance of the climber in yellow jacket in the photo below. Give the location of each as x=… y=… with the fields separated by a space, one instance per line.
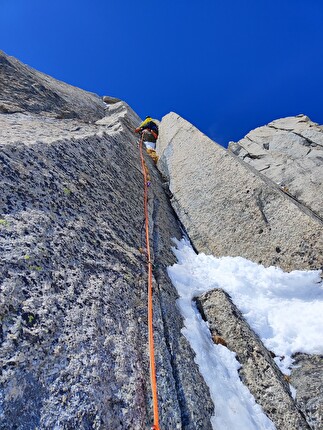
x=149 y=130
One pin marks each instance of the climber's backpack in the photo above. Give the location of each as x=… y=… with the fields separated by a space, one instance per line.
x=152 y=126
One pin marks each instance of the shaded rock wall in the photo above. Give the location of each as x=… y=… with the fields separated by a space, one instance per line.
x=290 y=152
x=228 y=208
x=73 y=292
x=23 y=89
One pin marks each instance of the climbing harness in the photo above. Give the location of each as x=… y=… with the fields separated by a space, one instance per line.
x=153 y=380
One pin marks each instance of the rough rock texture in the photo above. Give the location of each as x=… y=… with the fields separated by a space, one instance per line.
x=73 y=294
x=290 y=152
x=306 y=377
x=259 y=372
x=110 y=100
x=228 y=208
x=23 y=89
x=117 y=114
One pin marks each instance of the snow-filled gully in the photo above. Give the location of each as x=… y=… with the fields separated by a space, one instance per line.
x=284 y=309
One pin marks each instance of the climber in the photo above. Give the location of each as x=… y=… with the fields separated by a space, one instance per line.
x=149 y=132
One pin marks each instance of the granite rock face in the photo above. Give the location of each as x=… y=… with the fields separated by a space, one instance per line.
x=258 y=370
x=73 y=293
x=290 y=152
x=23 y=89
x=306 y=377
x=228 y=208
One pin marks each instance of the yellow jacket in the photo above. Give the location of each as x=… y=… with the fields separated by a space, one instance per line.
x=143 y=125
x=147 y=120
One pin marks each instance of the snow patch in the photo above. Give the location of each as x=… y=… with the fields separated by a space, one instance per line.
x=284 y=309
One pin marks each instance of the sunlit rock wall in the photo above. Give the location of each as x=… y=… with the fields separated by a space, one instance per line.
x=290 y=152
x=228 y=208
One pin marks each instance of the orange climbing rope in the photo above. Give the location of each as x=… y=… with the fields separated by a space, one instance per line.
x=153 y=380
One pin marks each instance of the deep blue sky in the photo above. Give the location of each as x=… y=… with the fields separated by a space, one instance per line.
x=227 y=66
